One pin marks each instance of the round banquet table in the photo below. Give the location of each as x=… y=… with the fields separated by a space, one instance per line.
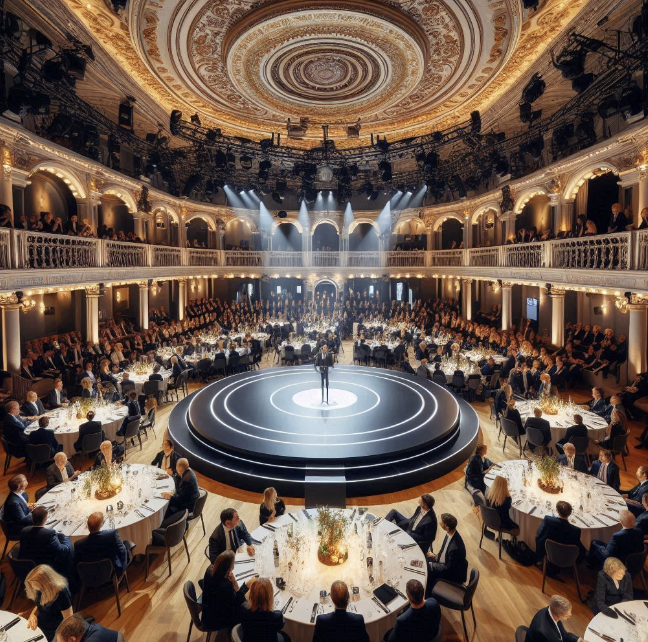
x=19 y=631
x=596 y=426
x=596 y=516
x=66 y=430
x=135 y=523
x=619 y=628
x=304 y=583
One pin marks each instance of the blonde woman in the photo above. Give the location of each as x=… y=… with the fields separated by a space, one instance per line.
x=613 y=585
x=271 y=506
x=87 y=389
x=499 y=498
x=49 y=591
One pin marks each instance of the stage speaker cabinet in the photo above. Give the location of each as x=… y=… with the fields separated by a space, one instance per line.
x=325 y=490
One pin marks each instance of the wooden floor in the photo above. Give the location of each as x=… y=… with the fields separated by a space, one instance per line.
x=508 y=594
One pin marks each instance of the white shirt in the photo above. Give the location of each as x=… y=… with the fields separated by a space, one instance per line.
x=570 y=461
x=419 y=517
x=603 y=472
x=64 y=475
x=442 y=557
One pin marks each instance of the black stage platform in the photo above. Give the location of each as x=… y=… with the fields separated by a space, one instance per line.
x=382 y=430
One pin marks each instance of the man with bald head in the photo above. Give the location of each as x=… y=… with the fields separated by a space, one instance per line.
x=102 y=544
x=187 y=494
x=340 y=625
x=623 y=543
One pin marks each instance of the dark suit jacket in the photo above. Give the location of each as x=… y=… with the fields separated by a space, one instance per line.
x=613 y=474
x=579 y=462
x=14 y=430
x=417 y=624
x=340 y=626
x=46 y=546
x=51 y=398
x=577 y=430
x=16 y=514
x=455 y=567
x=425 y=532
x=53 y=474
x=221 y=604
x=45 y=436
x=173 y=460
x=88 y=428
x=101 y=545
x=638 y=491
x=32 y=409
x=607 y=593
x=624 y=542
x=186 y=495
x=544 y=629
x=559 y=530
x=642 y=523
x=542 y=425
x=97 y=633
x=217 y=542
x=260 y=626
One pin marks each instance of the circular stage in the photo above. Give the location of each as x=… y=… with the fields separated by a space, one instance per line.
x=381 y=430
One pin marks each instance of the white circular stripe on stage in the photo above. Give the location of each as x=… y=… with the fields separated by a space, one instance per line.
x=312 y=398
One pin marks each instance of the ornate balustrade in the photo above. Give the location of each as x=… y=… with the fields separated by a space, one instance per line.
x=641 y=250
x=364 y=259
x=118 y=254
x=163 y=256
x=203 y=258
x=5 y=249
x=603 y=252
x=325 y=259
x=243 y=258
x=529 y=255
x=406 y=259
x=447 y=258
x=284 y=259
x=51 y=251
x=484 y=257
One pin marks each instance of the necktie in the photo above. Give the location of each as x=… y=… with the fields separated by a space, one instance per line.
x=571 y=462
x=602 y=473
x=233 y=540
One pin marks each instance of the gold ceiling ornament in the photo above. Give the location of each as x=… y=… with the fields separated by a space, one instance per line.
x=621 y=304
x=8 y=298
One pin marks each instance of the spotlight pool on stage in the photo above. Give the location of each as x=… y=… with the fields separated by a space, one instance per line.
x=382 y=430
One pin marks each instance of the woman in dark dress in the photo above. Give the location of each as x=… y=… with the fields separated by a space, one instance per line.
x=499 y=498
x=513 y=414
x=222 y=597
x=614 y=430
x=49 y=591
x=271 y=507
x=478 y=466
x=613 y=585
x=259 y=621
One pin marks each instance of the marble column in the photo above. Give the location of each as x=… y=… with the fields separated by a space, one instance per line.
x=143 y=305
x=638 y=339
x=11 y=334
x=466 y=307
x=507 y=305
x=182 y=298
x=92 y=315
x=557 y=317
x=6 y=191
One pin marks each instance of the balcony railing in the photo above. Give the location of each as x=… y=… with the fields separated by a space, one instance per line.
x=5 y=249
x=484 y=257
x=163 y=256
x=641 y=253
x=284 y=259
x=447 y=258
x=325 y=259
x=406 y=259
x=604 y=252
x=528 y=255
x=245 y=258
x=51 y=251
x=118 y=254
x=204 y=258
x=364 y=259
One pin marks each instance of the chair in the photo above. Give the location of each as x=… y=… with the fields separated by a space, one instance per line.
x=635 y=565
x=536 y=438
x=132 y=431
x=127 y=386
x=21 y=568
x=473 y=383
x=493 y=382
x=99 y=573
x=149 y=422
x=38 y=454
x=581 y=444
x=5 y=530
x=365 y=350
x=562 y=556
x=174 y=386
x=458 y=597
x=198 y=509
x=510 y=430
x=619 y=447
x=289 y=356
x=458 y=383
x=90 y=444
x=195 y=609
x=220 y=365
x=245 y=363
x=306 y=354
x=203 y=368
x=438 y=376
x=173 y=535
x=154 y=389
x=521 y=633
x=236 y=633
x=380 y=357
x=185 y=381
x=11 y=450
x=491 y=519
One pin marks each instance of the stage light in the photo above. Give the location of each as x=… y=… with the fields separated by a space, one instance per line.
x=75 y=65
x=457 y=185
x=560 y=138
x=220 y=160
x=585 y=132
x=534 y=89
x=39 y=39
x=213 y=134
x=191 y=184
x=534 y=147
x=530 y=4
x=246 y=162
x=502 y=167
x=11 y=25
x=231 y=160
x=18 y=96
x=195 y=120
x=527 y=114
x=420 y=159
x=582 y=82
x=52 y=70
x=40 y=104
x=174 y=121
x=570 y=63
x=431 y=161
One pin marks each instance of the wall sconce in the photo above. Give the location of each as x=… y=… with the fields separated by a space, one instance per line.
x=118 y=296
x=621 y=304
x=27 y=305
x=604 y=306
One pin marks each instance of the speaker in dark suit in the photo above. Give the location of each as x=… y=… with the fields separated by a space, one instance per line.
x=45 y=545
x=559 y=530
x=340 y=625
x=545 y=628
x=16 y=512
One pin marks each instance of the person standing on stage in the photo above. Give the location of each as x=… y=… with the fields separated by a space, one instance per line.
x=324 y=361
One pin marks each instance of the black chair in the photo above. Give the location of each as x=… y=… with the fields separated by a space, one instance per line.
x=8 y=537
x=40 y=492
x=154 y=389
x=562 y=556
x=510 y=430
x=99 y=573
x=473 y=383
x=458 y=383
x=635 y=564
x=195 y=609
x=219 y=368
x=90 y=444
x=127 y=386
x=438 y=376
x=380 y=357
x=289 y=356
x=21 y=569
x=132 y=432
x=365 y=350
x=185 y=381
x=174 y=386
x=458 y=597
x=492 y=384
x=521 y=633
x=149 y=423
x=203 y=368
x=619 y=447
x=37 y=454
x=233 y=363
x=11 y=450
x=535 y=438
x=198 y=509
x=491 y=519
x=245 y=363
x=174 y=534
x=306 y=354
x=581 y=444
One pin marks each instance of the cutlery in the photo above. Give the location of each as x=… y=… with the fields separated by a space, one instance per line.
x=252 y=559
x=380 y=604
x=306 y=513
x=7 y=626
x=292 y=517
x=355 y=510
x=607 y=638
x=377 y=521
x=149 y=508
x=533 y=510
x=53 y=523
x=632 y=617
x=581 y=520
x=414 y=570
x=246 y=575
x=401 y=594
x=599 y=521
x=397 y=530
x=76 y=528
x=646 y=604
x=624 y=616
x=268 y=528
x=313 y=613
x=255 y=541
x=38 y=637
x=287 y=604
x=406 y=546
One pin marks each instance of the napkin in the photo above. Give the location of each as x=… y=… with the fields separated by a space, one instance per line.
x=385 y=593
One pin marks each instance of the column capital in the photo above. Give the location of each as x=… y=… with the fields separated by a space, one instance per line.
x=629 y=177
x=92 y=291
x=638 y=301
x=507 y=285
x=143 y=285
x=556 y=293
x=466 y=280
x=9 y=301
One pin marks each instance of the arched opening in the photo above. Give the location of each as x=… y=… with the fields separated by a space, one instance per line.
x=451 y=232
x=601 y=193
x=534 y=219
x=364 y=238
x=115 y=219
x=409 y=235
x=287 y=238
x=199 y=234
x=325 y=294
x=165 y=227
x=239 y=235
x=49 y=203
x=326 y=238
x=483 y=228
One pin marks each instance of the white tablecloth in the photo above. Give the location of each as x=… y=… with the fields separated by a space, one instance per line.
x=18 y=632
x=141 y=379
x=131 y=526
x=598 y=518
x=66 y=430
x=619 y=628
x=320 y=577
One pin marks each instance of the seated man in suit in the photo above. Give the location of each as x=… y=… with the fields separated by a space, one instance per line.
x=134 y=411
x=167 y=459
x=406 y=367
x=43 y=435
x=89 y=427
x=450 y=563
x=634 y=495
x=570 y=459
x=57 y=397
x=547 y=623
x=60 y=471
x=75 y=628
x=44 y=545
x=14 y=428
x=420 y=621
x=421 y=526
x=579 y=429
x=422 y=371
x=229 y=535
x=33 y=407
x=624 y=542
x=17 y=510
x=642 y=520
x=559 y=530
x=101 y=544
x=540 y=424
x=340 y=625
x=489 y=367
x=156 y=376
x=606 y=469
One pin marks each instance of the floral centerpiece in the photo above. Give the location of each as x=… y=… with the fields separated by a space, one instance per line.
x=549 y=479
x=332 y=549
x=550 y=405
x=106 y=480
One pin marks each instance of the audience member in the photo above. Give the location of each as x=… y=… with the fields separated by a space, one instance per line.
x=50 y=593
x=43 y=435
x=450 y=563
x=17 y=511
x=613 y=585
x=271 y=506
x=60 y=471
x=558 y=529
x=44 y=545
x=422 y=525
x=478 y=466
x=229 y=535
x=74 y=628
x=421 y=621
x=340 y=625
x=570 y=459
x=260 y=622
x=606 y=469
x=622 y=543
x=103 y=544
x=547 y=624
